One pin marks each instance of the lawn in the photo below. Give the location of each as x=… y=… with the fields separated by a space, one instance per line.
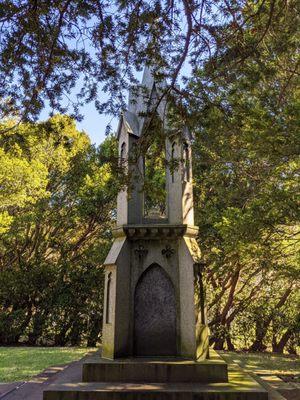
x=21 y=363
x=264 y=363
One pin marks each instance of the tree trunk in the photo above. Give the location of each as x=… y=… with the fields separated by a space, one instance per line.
x=14 y=338
x=75 y=334
x=38 y=325
x=219 y=343
x=230 y=345
x=60 y=338
x=263 y=326
x=220 y=321
x=94 y=332
x=260 y=333
x=278 y=347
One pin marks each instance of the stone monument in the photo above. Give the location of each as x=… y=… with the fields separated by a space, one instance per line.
x=149 y=272
x=152 y=346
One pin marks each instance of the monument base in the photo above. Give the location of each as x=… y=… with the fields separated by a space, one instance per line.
x=159 y=379
x=159 y=370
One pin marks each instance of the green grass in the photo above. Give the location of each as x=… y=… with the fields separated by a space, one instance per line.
x=264 y=363
x=21 y=363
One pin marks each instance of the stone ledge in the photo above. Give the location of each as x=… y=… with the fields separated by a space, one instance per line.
x=155 y=231
x=153 y=370
x=240 y=387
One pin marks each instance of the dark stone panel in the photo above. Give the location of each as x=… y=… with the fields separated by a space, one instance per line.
x=154 y=314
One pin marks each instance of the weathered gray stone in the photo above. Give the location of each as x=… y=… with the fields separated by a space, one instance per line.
x=239 y=387
x=144 y=247
x=154 y=314
x=130 y=370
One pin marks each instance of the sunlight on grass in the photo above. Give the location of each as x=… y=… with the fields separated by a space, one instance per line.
x=264 y=363
x=21 y=363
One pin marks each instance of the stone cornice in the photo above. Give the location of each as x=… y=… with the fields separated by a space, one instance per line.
x=155 y=231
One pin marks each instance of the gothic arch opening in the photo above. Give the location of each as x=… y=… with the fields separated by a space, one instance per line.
x=123 y=153
x=154 y=314
x=155 y=194
x=186 y=162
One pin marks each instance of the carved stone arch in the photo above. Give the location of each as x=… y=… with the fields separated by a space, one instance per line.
x=155 y=176
x=154 y=314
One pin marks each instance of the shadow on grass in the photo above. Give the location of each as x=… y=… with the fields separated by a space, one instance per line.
x=264 y=363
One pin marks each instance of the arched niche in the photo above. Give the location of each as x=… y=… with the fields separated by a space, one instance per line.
x=123 y=153
x=173 y=149
x=108 y=317
x=154 y=314
x=186 y=162
x=155 y=193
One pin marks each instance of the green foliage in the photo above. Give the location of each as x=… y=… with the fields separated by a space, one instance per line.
x=59 y=195
x=246 y=169
x=49 y=50
x=57 y=192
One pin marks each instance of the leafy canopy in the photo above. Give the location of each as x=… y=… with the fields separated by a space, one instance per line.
x=65 y=53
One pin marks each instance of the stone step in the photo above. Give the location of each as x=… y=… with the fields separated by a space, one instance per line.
x=150 y=370
x=241 y=387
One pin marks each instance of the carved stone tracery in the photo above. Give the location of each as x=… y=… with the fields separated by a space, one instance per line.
x=168 y=251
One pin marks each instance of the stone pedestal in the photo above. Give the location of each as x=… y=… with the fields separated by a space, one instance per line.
x=149 y=305
x=158 y=379
x=158 y=370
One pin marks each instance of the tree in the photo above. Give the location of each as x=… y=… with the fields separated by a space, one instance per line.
x=50 y=48
x=246 y=121
x=242 y=102
x=60 y=212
